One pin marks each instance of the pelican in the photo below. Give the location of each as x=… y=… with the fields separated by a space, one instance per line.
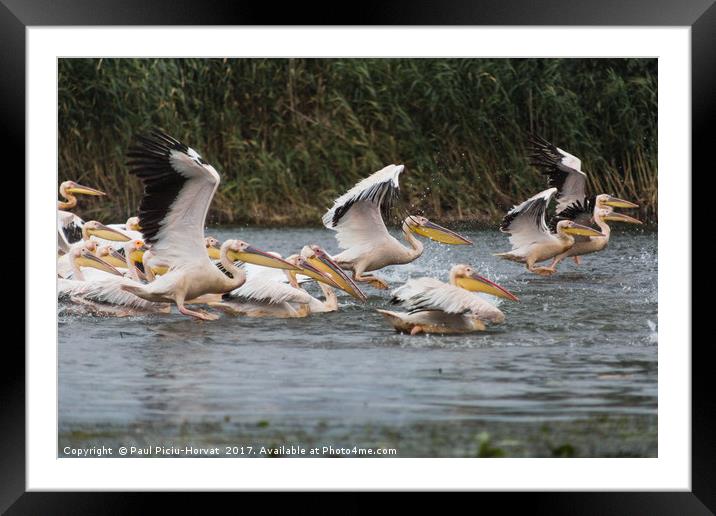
x=178 y=188
x=157 y=268
x=361 y=232
x=69 y=225
x=275 y=293
x=90 y=229
x=131 y=228
x=319 y=259
x=600 y=213
x=531 y=239
x=437 y=307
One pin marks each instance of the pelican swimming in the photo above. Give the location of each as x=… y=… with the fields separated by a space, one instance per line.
x=275 y=293
x=178 y=188
x=90 y=229
x=361 y=232
x=531 y=239
x=437 y=307
x=600 y=213
x=69 y=225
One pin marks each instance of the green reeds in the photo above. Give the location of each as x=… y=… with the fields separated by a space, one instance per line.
x=290 y=135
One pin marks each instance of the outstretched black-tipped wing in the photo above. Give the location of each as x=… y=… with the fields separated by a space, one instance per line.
x=563 y=170
x=357 y=215
x=178 y=188
x=526 y=222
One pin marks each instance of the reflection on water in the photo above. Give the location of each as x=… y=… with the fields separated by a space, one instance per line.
x=581 y=343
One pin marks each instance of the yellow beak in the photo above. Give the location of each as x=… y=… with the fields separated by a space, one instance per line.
x=137 y=254
x=620 y=217
x=84 y=190
x=213 y=252
x=259 y=257
x=87 y=259
x=615 y=202
x=159 y=270
x=327 y=266
x=115 y=259
x=440 y=234
x=578 y=229
x=106 y=233
x=477 y=283
x=309 y=270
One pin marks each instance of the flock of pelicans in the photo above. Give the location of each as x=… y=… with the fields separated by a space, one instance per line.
x=162 y=256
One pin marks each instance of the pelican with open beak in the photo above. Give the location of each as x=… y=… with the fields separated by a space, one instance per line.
x=357 y=219
x=446 y=308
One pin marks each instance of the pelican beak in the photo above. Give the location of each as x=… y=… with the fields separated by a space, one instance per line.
x=477 y=283
x=115 y=259
x=87 y=259
x=440 y=234
x=326 y=265
x=159 y=270
x=312 y=272
x=259 y=257
x=106 y=233
x=615 y=202
x=213 y=252
x=138 y=253
x=84 y=190
x=620 y=217
x=578 y=229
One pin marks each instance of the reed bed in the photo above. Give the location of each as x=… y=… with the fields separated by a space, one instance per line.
x=290 y=135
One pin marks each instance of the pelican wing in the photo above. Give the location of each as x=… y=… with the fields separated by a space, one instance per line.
x=262 y=290
x=356 y=216
x=581 y=212
x=563 y=169
x=69 y=229
x=430 y=294
x=178 y=188
x=107 y=290
x=526 y=222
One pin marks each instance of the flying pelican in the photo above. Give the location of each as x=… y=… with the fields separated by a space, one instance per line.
x=274 y=293
x=600 y=213
x=69 y=225
x=437 y=307
x=178 y=188
x=531 y=239
x=356 y=218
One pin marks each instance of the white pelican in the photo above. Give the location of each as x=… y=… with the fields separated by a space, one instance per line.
x=178 y=188
x=69 y=225
x=599 y=213
x=274 y=293
x=319 y=259
x=356 y=218
x=437 y=307
x=90 y=229
x=131 y=228
x=531 y=239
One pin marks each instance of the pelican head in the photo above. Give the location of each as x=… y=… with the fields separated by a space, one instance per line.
x=213 y=247
x=464 y=276
x=612 y=216
x=306 y=269
x=72 y=188
x=319 y=259
x=605 y=200
x=572 y=228
x=135 y=249
x=83 y=257
x=133 y=224
x=422 y=226
x=240 y=251
x=94 y=228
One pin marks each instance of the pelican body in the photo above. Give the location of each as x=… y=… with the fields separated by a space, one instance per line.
x=447 y=308
x=357 y=218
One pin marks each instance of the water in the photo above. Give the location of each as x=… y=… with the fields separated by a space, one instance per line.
x=573 y=371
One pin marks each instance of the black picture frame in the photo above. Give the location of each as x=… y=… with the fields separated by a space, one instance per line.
x=700 y=15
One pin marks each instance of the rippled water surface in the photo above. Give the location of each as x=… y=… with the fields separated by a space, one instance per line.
x=572 y=371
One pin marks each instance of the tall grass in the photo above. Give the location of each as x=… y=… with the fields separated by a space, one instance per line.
x=290 y=135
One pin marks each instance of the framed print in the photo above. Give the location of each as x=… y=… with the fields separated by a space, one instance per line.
x=432 y=246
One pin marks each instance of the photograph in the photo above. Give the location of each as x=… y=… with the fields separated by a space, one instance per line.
x=359 y=257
